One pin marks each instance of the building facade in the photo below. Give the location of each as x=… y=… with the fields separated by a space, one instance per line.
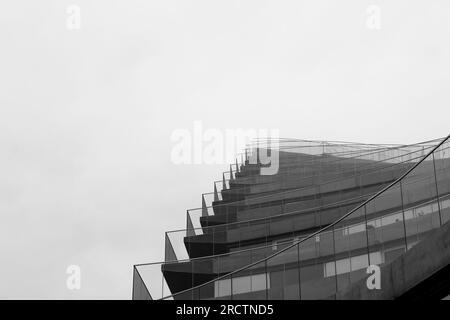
x=311 y=229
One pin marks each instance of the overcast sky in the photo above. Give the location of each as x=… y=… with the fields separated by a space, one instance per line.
x=86 y=116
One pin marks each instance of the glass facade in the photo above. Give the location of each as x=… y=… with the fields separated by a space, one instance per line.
x=311 y=230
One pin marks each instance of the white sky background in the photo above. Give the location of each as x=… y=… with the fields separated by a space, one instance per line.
x=86 y=116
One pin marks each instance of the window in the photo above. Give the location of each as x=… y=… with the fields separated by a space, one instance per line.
x=393 y=218
x=251 y=283
x=354 y=229
x=222 y=288
x=351 y=264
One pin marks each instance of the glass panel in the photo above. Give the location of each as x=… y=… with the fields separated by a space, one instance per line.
x=351 y=249
x=291 y=282
x=140 y=291
x=283 y=273
x=314 y=281
x=420 y=205
x=251 y=283
x=207 y=291
x=385 y=227
x=442 y=165
x=222 y=288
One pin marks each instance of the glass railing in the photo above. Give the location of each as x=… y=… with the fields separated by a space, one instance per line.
x=371 y=179
x=310 y=148
x=233 y=233
x=331 y=259
x=392 y=155
x=237 y=283
x=157 y=280
x=292 y=167
x=285 y=164
x=212 y=240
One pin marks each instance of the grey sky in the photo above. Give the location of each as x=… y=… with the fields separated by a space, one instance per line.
x=86 y=115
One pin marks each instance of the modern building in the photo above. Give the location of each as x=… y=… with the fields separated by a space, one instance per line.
x=312 y=229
